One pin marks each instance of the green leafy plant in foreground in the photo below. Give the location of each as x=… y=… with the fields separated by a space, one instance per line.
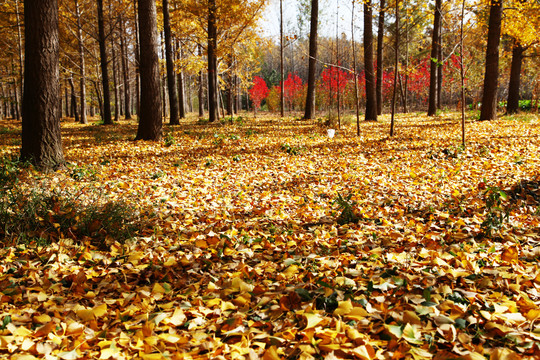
x=346 y=205
x=497 y=214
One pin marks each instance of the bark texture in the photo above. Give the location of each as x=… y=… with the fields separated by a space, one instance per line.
x=212 y=62
x=41 y=139
x=512 y=106
x=371 y=97
x=106 y=114
x=310 y=98
x=491 y=74
x=150 y=123
x=434 y=64
x=171 y=76
x=380 y=46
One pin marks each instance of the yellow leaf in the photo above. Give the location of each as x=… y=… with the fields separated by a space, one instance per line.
x=312 y=320
x=100 y=310
x=510 y=254
x=344 y=308
x=178 y=318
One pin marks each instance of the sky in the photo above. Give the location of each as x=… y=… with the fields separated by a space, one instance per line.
x=329 y=11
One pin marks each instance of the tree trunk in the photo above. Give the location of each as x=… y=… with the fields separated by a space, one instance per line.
x=212 y=62
x=82 y=64
x=512 y=106
x=117 y=107
x=20 y=58
x=150 y=124
x=491 y=75
x=356 y=90
x=281 y=68
x=181 y=90
x=310 y=98
x=41 y=138
x=432 y=106
x=380 y=44
x=371 y=97
x=171 y=76
x=125 y=71
x=439 y=70
x=201 y=89
x=106 y=114
x=396 y=71
x=137 y=62
x=73 y=100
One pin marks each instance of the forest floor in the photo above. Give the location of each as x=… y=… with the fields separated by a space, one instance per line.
x=265 y=239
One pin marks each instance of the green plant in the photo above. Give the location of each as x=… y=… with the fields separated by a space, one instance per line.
x=346 y=206
x=291 y=150
x=78 y=173
x=496 y=211
x=9 y=171
x=169 y=139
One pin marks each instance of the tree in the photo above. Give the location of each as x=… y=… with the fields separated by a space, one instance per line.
x=512 y=106
x=258 y=92
x=310 y=97
x=371 y=97
x=491 y=73
x=434 y=64
x=106 y=114
x=396 y=71
x=212 y=61
x=150 y=123
x=171 y=76
x=380 y=47
x=41 y=139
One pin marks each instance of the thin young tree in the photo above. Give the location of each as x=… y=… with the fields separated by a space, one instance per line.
x=282 y=75
x=150 y=123
x=371 y=97
x=434 y=64
x=82 y=63
x=462 y=73
x=41 y=138
x=356 y=90
x=488 y=110
x=310 y=97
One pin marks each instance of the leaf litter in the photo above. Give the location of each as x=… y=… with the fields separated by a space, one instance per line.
x=344 y=248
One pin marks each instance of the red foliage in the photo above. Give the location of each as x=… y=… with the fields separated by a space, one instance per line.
x=293 y=90
x=258 y=91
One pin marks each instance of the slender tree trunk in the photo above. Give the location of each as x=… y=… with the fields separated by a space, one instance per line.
x=125 y=70
x=462 y=74
x=68 y=114
x=106 y=114
x=380 y=47
x=41 y=138
x=281 y=67
x=435 y=43
x=212 y=62
x=310 y=98
x=82 y=64
x=171 y=76
x=512 y=106
x=201 y=89
x=181 y=86
x=73 y=100
x=117 y=106
x=356 y=90
x=20 y=57
x=439 y=70
x=491 y=75
x=371 y=97
x=151 y=122
x=137 y=62
x=17 y=102
x=396 y=71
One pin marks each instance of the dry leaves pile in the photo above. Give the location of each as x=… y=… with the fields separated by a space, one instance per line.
x=264 y=239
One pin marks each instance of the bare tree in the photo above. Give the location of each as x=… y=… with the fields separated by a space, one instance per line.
x=310 y=98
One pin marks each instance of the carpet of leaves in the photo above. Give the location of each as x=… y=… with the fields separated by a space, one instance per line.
x=247 y=255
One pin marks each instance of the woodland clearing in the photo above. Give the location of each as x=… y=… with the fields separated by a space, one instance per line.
x=264 y=239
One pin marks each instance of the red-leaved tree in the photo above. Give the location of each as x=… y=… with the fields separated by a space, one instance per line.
x=293 y=90
x=258 y=92
x=334 y=80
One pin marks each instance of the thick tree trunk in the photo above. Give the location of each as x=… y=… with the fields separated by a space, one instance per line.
x=82 y=64
x=380 y=46
x=371 y=96
x=171 y=76
x=435 y=43
x=512 y=106
x=212 y=62
x=125 y=71
x=106 y=114
x=41 y=139
x=491 y=75
x=150 y=124
x=310 y=98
